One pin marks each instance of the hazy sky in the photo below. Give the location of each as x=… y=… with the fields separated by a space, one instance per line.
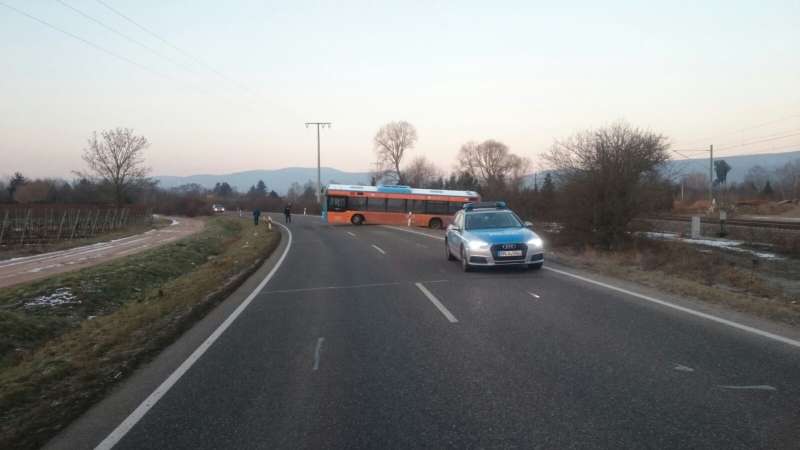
x=525 y=73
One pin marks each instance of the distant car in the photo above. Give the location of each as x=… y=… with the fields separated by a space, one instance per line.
x=490 y=234
x=218 y=208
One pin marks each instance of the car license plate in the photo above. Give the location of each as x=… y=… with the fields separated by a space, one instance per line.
x=509 y=253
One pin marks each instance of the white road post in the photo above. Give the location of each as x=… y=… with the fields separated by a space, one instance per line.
x=269 y=223
x=409 y=218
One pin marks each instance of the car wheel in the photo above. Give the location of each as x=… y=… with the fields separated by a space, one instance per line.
x=435 y=224
x=464 y=262
x=357 y=219
x=535 y=266
x=450 y=256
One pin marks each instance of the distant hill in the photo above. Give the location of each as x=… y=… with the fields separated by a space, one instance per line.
x=278 y=180
x=739 y=164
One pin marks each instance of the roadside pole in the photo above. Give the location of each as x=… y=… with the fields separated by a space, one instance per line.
x=319 y=181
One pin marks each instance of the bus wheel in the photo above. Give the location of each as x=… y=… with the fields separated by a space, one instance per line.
x=435 y=224
x=357 y=219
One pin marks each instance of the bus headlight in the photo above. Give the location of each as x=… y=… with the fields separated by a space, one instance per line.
x=536 y=242
x=478 y=245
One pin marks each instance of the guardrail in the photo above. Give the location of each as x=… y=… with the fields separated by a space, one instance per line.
x=50 y=223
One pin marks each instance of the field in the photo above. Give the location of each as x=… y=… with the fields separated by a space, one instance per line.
x=69 y=338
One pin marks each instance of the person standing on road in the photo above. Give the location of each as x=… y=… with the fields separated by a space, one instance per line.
x=256 y=215
x=287 y=212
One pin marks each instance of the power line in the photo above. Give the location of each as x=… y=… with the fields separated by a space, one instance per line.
x=126 y=37
x=772 y=138
x=753 y=127
x=116 y=55
x=175 y=47
x=90 y=43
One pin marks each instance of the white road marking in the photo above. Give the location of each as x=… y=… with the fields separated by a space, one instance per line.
x=122 y=429
x=415 y=232
x=703 y=315
x=682 y=368
x=317 y=351
x=351 y=233
x=759 y=387
x=325 y=288
x=437 y=303
x=730 y=323
x=533 y=295
x=378 y=249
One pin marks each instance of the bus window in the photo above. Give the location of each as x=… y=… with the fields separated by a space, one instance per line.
x=417 y=206
x=437 y=207
x=356 y=203
x=376 y=204
x=454 y=207
x=337 y=203
x=395 y=205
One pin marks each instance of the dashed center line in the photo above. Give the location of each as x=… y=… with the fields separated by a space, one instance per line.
x=351 y=233
x=378 y=249
x=533 y=295
x=437 y=303
x=317 y=352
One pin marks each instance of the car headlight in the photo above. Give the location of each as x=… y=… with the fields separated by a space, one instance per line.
x=478 y=245
x=536 y=242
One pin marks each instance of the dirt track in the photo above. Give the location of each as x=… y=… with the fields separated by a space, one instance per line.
x=21 y=270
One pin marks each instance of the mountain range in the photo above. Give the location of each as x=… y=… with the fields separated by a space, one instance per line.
x=280 y=180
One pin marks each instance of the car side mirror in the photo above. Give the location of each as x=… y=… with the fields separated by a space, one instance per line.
x=528 y=224
x=452 y=227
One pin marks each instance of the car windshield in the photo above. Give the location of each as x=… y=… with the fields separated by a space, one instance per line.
x=487 y=220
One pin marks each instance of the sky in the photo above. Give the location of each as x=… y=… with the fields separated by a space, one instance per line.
x=220 y=87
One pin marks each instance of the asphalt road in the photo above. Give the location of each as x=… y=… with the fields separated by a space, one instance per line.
x=22 y=270
x=346 y=347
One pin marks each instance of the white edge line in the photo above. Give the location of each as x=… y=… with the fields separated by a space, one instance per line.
x=123 y=428
x=378 y=249
x=437 y=303
x=703 y=315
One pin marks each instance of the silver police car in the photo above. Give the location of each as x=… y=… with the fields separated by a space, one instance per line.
x=490 y=234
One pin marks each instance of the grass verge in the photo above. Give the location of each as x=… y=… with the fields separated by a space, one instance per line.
x=67 y=339
x=703 y=274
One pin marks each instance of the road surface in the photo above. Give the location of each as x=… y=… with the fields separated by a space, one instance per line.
x=366 y=337
x=29 y=268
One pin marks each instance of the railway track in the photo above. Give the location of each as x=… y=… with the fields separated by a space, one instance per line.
x=774 y=224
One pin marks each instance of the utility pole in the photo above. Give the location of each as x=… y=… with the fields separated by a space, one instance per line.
x=319 y=182
x=711 y=175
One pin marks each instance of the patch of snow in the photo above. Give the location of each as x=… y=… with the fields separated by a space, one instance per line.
x=725 y=244
x=59 y=297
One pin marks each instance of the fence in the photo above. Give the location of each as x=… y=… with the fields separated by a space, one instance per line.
x=43 y=223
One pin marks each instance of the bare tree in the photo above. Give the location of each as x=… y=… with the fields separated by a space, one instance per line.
x=788 y=179
x=608 y=177
x=391 y=143
x=117 y=158
x=422 y=173
x=492 y=164
x=757 y=177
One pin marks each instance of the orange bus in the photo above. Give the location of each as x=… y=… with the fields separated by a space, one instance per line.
x=393 y=205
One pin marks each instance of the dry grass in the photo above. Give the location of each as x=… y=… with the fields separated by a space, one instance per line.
x=64 y=374
x=685 y=270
